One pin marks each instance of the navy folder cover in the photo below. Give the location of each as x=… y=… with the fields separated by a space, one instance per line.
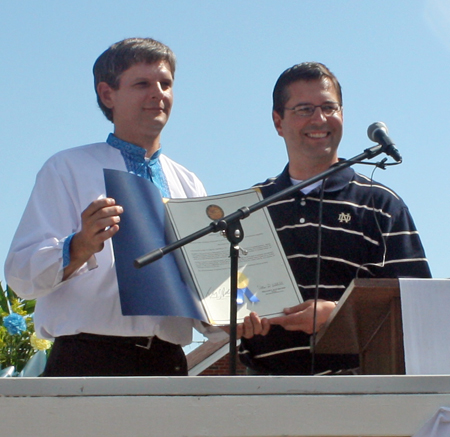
x=156 y=289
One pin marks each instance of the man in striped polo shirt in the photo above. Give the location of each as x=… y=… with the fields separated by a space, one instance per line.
x=365 y=228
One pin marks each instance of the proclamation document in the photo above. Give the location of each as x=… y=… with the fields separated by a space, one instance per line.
x=265 y=281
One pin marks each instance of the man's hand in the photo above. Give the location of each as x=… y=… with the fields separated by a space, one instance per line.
x=99 y=222
x=300 y=317
x=253 y=325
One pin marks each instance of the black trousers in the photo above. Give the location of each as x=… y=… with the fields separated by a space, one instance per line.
x=99 y=355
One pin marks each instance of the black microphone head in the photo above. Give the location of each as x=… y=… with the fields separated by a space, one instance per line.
x=378 y=133
x=373 y=128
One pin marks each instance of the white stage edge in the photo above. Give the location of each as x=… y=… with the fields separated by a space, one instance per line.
x=221 y=406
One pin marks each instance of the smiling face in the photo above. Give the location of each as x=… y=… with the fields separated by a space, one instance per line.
x=142 y=103
x=311 y=142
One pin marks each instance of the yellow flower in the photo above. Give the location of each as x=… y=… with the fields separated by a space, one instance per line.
x=17 y=307
x=39 y=343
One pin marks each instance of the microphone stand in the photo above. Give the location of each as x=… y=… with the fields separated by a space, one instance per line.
x=232 y=228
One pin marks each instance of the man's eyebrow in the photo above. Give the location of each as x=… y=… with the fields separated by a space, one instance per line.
x=309 y=103
x=146 y=79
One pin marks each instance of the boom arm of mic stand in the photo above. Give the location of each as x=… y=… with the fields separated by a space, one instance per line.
x=246 y=211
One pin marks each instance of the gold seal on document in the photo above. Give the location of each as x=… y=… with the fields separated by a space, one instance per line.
x=214 y=212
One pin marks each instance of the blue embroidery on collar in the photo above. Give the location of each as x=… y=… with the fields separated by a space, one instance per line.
x=137 y=163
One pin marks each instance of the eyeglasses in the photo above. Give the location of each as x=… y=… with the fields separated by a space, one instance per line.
x=328 y=109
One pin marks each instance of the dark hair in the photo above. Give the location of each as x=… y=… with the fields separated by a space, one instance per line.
x=305 y=71
x=121 y=56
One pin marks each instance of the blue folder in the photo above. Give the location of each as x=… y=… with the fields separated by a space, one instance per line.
x=157 y=289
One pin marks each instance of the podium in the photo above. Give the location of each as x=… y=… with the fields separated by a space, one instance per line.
x=367 y=321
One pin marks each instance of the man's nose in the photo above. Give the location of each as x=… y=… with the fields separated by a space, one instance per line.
x=318 y=115
x=157 y=91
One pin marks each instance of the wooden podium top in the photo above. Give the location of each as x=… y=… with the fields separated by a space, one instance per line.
x=356 y=318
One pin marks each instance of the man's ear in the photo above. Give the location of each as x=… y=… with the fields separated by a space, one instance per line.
x=277 y=122
x=105 y=92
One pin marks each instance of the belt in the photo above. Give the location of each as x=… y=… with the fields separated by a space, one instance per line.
x=144 y=342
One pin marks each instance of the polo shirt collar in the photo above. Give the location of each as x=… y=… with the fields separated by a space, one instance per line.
x=335 y=182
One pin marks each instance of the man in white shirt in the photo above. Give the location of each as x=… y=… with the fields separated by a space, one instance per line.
x=62 y=255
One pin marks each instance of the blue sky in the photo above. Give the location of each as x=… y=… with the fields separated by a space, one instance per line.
x=391 y=57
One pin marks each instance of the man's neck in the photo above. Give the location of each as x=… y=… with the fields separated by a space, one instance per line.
x=151 y=149
x=302 y=170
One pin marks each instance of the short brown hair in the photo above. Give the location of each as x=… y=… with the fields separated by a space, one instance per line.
x=305 y=71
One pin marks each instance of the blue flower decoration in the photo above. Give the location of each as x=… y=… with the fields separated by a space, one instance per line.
x=14 y=323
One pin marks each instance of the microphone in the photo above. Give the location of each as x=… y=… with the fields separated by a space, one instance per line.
x=378 y=133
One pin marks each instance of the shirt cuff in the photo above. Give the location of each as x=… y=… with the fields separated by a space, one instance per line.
x=66 y=250
x=91 y=262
